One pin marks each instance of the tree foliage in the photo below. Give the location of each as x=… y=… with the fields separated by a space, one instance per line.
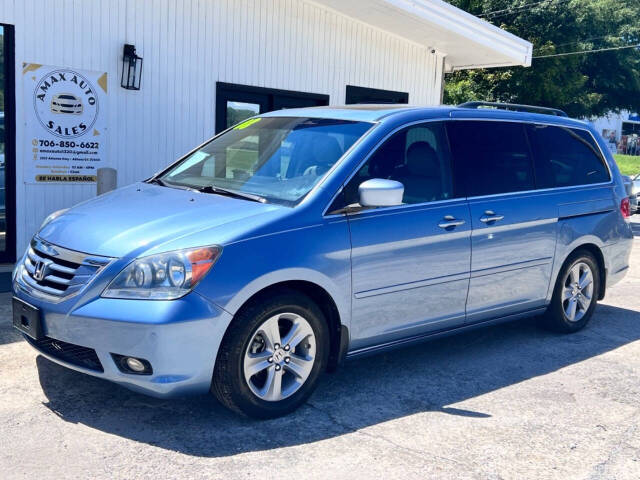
x=583 y=85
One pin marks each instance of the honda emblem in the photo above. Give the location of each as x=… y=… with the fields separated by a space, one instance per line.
x=41 y=270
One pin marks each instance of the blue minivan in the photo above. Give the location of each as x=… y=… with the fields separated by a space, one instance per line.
x=302 y=237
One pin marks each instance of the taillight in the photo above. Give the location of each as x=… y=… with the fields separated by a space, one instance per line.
x=625 y=207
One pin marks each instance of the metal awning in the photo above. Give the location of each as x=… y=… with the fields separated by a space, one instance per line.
x=464 y=40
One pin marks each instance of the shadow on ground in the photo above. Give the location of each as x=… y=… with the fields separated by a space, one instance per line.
x=8 y=334
x=427 y=377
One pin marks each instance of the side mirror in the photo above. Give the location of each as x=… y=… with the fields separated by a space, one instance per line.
x=379 y=192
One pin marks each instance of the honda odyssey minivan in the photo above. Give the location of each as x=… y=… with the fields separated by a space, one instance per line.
x=302 y=237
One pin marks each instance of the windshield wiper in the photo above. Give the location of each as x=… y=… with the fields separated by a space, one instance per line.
x=162 y=183
x=232 y=193
x=157 y=181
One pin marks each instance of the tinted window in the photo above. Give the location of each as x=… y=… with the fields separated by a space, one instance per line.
x=490 y=157
x=416 y=156
x=566 y=157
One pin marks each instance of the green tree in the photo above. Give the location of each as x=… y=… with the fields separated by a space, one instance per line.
x=583 y=85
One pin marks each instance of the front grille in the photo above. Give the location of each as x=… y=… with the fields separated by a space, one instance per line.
x=68 y=352
x=56 y=273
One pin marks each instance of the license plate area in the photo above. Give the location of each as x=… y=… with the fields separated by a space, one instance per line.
x=27 y=319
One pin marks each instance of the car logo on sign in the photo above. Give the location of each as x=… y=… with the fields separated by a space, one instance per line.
x=65 y=103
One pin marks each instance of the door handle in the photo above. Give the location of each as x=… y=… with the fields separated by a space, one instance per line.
x=449 y=221
x=490 y=216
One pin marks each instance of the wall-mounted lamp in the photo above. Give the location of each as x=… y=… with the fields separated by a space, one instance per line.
x=131 y=68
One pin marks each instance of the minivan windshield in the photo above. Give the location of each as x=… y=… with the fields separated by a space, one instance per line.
x=278 y=159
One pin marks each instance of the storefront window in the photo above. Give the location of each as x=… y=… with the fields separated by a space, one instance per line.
x=3 y=142
x=236 y=103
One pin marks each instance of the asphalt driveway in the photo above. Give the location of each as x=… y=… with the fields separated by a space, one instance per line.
x=508 y=402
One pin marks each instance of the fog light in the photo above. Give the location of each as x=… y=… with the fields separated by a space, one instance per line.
x=132 y=365
x=135 y=364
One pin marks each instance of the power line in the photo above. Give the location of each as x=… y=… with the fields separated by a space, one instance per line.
x=588 y=40
x=493 y=12
x=582 y=52
x=520 y=9
x=585 y=40
x=511 y=9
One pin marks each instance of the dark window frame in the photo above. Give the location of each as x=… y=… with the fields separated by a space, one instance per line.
x=353 y=92
x=267 y=98
x=9 y=254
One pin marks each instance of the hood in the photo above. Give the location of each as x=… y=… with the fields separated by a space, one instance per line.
x=134 y=219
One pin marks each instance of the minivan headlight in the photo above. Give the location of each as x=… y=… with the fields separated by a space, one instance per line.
x=165 y=276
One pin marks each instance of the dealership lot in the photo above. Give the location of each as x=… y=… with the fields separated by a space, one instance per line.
x=510 y=401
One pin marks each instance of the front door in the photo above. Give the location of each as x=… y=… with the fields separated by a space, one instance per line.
x=514 y=227
x=410 y=263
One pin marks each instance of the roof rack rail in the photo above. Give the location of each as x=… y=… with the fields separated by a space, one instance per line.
x=515 y=107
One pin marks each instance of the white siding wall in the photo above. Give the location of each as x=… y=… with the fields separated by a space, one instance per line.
x=187 y=46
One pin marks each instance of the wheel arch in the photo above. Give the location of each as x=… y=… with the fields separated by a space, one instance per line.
x=338 y=331
x=599 y=256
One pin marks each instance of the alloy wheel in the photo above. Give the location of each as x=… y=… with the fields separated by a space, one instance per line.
x=577 y=292
x=279 y=357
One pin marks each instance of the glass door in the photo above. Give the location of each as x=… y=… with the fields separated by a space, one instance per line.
x=7 y=146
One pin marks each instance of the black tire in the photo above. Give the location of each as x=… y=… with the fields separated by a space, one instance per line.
x=229 y=384
x=555 y=318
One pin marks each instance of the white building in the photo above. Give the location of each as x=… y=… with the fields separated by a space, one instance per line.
x=204 y=61
x=615 y=126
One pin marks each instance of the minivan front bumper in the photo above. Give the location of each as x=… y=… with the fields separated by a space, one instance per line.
x=179 y=338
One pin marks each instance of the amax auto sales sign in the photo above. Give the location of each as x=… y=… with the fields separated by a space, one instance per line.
x=65 y=123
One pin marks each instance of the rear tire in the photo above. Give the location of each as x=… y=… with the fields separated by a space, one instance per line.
x=575 y=294
x=272 y=355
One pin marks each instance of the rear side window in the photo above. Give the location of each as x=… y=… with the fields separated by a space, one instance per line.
x=490 y=157
x=566 y=157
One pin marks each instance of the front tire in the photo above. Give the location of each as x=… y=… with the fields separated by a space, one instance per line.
x=575 y=294
x=272 y=355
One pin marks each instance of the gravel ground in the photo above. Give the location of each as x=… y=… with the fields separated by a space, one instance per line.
x=508 y=402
